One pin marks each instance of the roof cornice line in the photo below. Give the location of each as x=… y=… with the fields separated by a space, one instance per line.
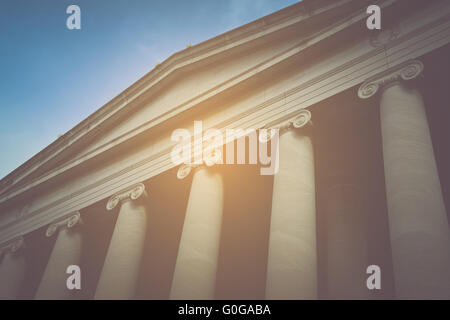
x=254 y=71
x=226 y=41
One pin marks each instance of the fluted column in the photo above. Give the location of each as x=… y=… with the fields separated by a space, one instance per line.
x=292 y=258
x=12 y=269
x=419 y=229
x=66 y=252
x=196 y=265
x=119 y=277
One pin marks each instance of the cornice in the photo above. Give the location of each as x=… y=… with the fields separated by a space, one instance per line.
x=178 y=61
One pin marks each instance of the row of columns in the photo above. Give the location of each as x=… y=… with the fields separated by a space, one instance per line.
x=419 y=231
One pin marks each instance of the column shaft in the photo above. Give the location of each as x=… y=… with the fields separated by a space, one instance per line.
x=196 y=266
x=292 y=257
x=418 y=223
x=12 y=273
x=120 y=274
x=67 y=251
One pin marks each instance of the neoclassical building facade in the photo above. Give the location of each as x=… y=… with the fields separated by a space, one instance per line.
x=363 y=177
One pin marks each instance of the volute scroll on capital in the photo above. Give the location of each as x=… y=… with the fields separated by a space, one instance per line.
x=132 y=193
x=68 y=221
x=406 y=71
x=301 y=120
x=211 y=158
x=185 y=169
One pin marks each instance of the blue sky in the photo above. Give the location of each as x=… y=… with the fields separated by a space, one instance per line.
x=52 y=78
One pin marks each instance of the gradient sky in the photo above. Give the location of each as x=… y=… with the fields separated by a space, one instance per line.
x=52 y=78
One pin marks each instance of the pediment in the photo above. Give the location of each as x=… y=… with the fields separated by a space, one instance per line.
x=180 y=83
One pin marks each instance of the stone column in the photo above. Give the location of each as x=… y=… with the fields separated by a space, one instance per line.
x=196 y=265
x=120 y=274
x=12 y=269
x=419 y=229
x=66 y=252
x=292 y=257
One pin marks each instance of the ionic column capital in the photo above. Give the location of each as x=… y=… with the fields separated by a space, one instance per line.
x=185 y=169
x=12 y=246
x=130 y=193
x=405 y=71
x=301 y=120
x=211 y=157
x=68 y=221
